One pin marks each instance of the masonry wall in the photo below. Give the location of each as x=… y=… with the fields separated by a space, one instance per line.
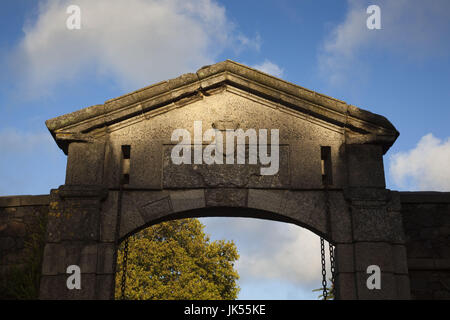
x=426 y=220
x=22 y=231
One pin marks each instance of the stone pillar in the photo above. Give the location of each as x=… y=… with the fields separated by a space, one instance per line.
x=377 y=231
x=74 y=232
x=73 y=238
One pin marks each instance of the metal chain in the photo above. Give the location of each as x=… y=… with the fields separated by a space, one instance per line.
x=124 y=270
x=324 y=270
x=331 y=247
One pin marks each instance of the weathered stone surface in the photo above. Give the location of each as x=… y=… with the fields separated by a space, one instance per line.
x=346 y=286
x=156 y=208
x=55 y=288
x=308 y=208
x=403 y=287
x=68 y=222
x=223 y=175
x=85 y=163
x=365 y=165
x=340 y=220
x=185 y=200
x=345 y=261
x=226 y=197
x=377 y=224
x=105 y=258
x=54 y=255
x=108 y=217
x=105 y=286
x=131 y=218
x=388 y=289
x=268 y=200
x=400 y=259
x=374 y=253
x=426 y=221
x=146 y=166
x=22 y=201
x=58 y=257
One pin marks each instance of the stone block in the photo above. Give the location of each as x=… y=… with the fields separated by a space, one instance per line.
x=85 y=163
x=268 y=200
x=400 y=259
x=377 y=224
x=55 y=288
x=53 y=259
x=403 y=287
x=345 y=261
x=156 y=208
x=223 y=175
x=365 y=165
x=108 y=217
x=105 y=258
x=224 y=197
x=72 y=224
x=306 y=165
x=373 y=253
x=388 y=290
x=131 y=218
x=112 y=166
x=346 y=288
x=105 y=286
x=185 y=200
x=341 y=223
x=146 y=164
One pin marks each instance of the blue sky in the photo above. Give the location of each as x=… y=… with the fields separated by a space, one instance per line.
x=401 y=71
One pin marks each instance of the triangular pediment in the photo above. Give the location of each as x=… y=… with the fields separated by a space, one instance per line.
x=360 y=126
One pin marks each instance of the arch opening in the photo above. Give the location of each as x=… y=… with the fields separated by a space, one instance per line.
x=293 y=229
x=227 y=212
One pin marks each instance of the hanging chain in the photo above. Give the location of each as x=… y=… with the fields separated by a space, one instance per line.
x=324 y=270
x=331 y=249
x=332 y=289
x=124 y=270
x=330 y=245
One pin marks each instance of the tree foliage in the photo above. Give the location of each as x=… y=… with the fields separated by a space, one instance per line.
x=177 y=260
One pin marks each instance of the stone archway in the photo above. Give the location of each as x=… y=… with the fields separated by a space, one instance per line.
x=120 y=165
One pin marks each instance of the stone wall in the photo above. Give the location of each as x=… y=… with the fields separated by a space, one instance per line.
x=22 y=222
x=426 y=220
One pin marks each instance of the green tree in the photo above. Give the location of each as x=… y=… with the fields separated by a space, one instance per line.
x=177 y=260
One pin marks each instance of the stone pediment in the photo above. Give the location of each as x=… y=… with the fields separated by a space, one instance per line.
x=360 y=126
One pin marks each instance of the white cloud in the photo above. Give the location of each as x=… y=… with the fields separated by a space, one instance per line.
x=270 y=68
x=425 y=167
x=136 y=42
x=271 y=251
x=254 y=43
x=294 y=257
x=413 y=29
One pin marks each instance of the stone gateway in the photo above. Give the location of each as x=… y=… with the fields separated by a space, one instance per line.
x=330 y=179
